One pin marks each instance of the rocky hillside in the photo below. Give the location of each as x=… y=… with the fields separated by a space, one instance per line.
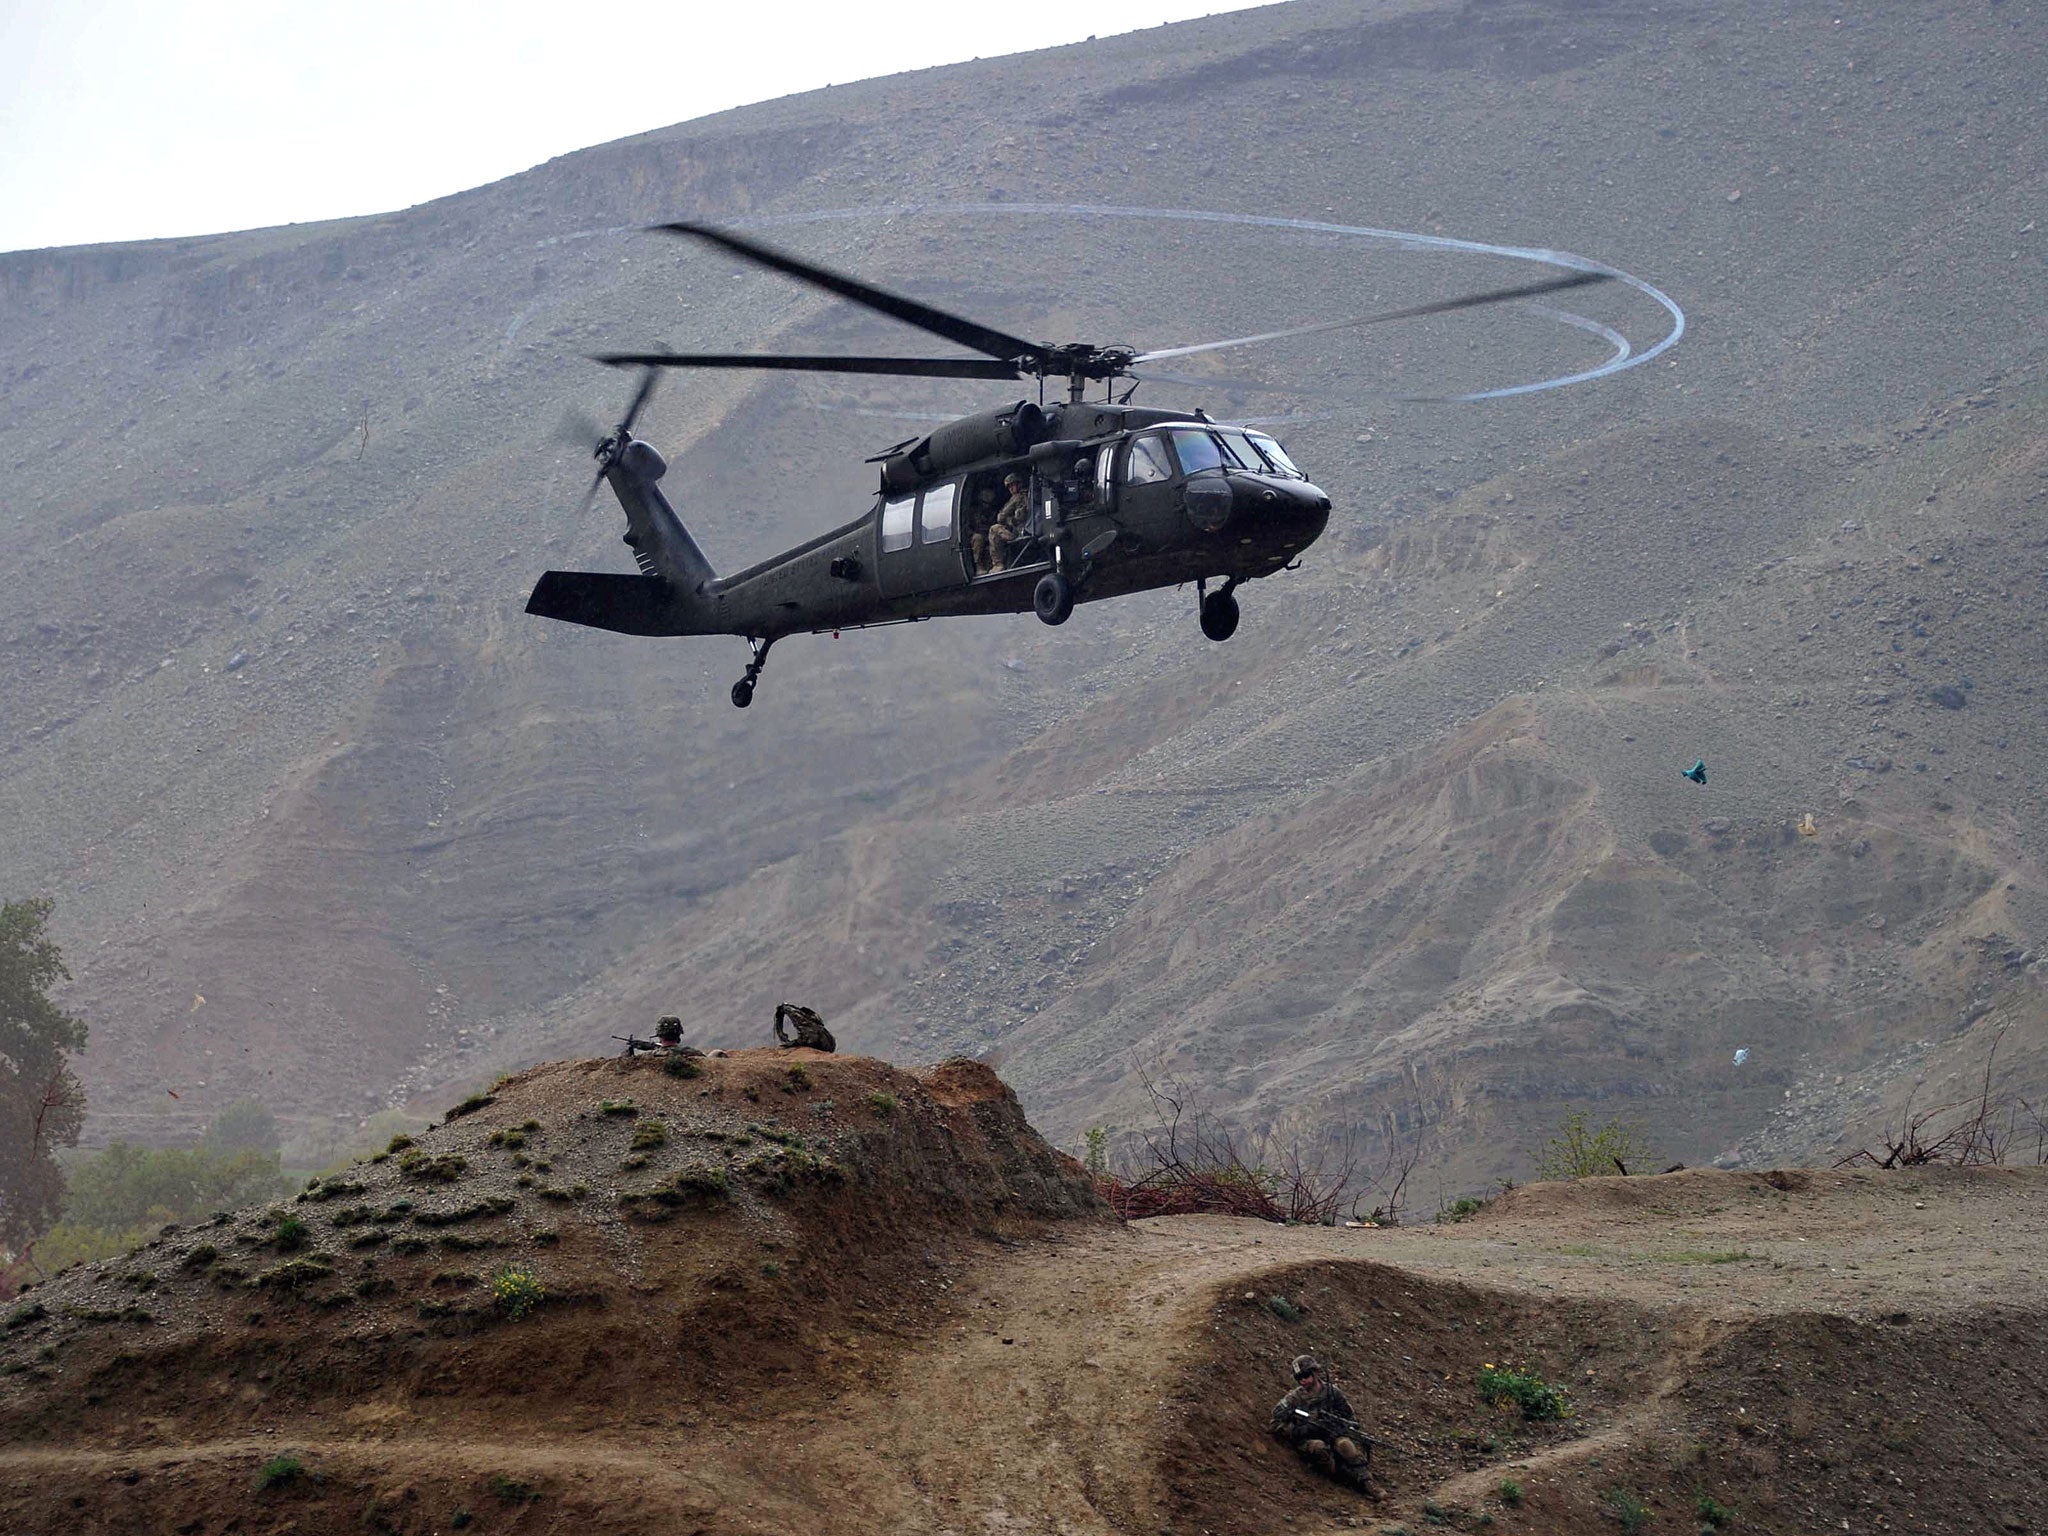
x=333 y=823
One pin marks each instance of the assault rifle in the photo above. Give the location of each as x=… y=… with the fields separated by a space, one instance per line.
x=635 y=1044
x=1335 y=1424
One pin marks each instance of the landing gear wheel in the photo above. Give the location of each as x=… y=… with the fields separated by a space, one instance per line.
x=1053 y=598
x=743 y=690
x=1219 y=615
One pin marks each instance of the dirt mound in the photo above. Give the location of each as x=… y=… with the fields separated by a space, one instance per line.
x=1802 y=1350
x=691 y=1227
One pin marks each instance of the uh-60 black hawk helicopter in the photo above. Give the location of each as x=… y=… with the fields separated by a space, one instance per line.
x=1116 y=498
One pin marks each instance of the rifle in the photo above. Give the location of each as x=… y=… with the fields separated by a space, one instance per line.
x=635 y=1043
x=1351 y=1429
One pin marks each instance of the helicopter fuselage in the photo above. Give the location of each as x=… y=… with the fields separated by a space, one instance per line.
x=1121 y=499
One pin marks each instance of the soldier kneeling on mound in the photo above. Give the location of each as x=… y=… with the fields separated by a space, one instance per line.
x=810 y=1029
x=1316 y=1419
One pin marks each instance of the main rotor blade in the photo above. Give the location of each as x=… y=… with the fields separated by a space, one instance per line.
x=967 y=333
x=919 y=367
x=1227 y=385
x=1440 y=306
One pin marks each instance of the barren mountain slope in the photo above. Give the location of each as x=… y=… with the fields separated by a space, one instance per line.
x=282 y=740
x=914 y=1320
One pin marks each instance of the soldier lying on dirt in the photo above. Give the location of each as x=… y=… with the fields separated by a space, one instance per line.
x=810 y=1029
x=1317 y=1421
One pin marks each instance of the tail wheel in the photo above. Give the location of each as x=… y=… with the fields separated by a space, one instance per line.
x=742 y=693
x=1053 y=598
x=1219 y=615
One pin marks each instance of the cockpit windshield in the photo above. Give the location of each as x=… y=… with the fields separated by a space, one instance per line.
x=1196 y=451
x=1275 y=455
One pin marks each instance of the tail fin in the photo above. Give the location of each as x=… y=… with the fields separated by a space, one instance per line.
x=631 y=605
x=661 y=544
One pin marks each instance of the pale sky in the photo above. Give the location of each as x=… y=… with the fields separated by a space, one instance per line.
x=130 y=120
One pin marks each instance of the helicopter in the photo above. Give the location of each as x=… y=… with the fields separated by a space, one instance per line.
x=1098 y=497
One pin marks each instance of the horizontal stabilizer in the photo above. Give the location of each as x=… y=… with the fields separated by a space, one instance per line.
x=631 y=605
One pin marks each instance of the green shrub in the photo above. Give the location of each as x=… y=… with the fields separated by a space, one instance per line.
x=1578 y=1151
x=470 y=1106
x=1537 y=1398
x=278 y=1471
x=517 y=1290
x=1287 y=1311
x=882 y=1103
x=400 y=1143
x=512 y=1139
x=675 y=1064
x=1628 y=1510
x=1096 y=1160
x=617 y=1107
x=513 y=1492
x=201 y=1256
x=1710 y=1509
x=1463 y=1206
x=798 y=1080
x=290 y=1234
x=1510 y=1492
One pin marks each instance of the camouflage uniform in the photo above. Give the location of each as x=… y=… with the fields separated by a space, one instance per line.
x=1340 y=1457
x=1012 y=526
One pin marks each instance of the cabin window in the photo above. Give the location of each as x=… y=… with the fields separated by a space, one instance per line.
x=1147 y=462
x=938 y=513
x=1197 y=450
x=896 y=519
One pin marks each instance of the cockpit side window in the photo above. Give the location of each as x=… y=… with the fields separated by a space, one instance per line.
x=1197 y=450
x=1146 y=462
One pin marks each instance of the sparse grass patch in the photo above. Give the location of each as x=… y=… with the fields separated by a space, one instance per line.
x=1287 y=1311
x=488 y=1205
x=21 y=1317
x=1698 y=1256
x=399 y=1144
x=1510 y=1493
x=770 y=1268
x=617 y=1107
x=882 y=1103
x=293 y=1273
x=470 y=1106
x=1538 y=1399
x=444 y=1169
x=649 y=1134
x=290 y=1234
x=675 y=1064
x=330 y=1189
x=512 y=1139
x=797 y=1080
x=201 y=1256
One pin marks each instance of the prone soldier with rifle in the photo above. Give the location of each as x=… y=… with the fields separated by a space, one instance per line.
x=1317 y=1421
x=668 y=1036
